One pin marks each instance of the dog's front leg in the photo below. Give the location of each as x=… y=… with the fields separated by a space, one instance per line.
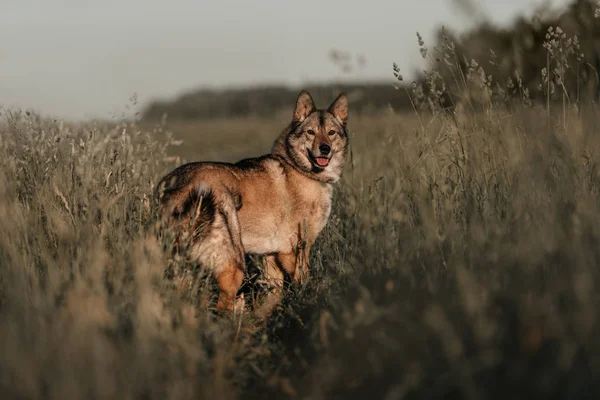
x=302 y=268
x=295 y=264
x=274 y=277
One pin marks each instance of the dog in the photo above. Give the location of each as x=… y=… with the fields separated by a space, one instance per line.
x=275 y=205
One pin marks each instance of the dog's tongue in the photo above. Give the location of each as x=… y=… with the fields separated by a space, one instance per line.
x=322 y=161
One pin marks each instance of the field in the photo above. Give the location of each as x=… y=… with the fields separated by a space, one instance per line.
x=460 y=261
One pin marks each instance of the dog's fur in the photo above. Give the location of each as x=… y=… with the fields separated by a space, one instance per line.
x=274 y=205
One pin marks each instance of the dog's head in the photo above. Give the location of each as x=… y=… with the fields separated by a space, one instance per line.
x=316 y=141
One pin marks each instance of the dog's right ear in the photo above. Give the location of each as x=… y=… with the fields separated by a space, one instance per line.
x=304 y=106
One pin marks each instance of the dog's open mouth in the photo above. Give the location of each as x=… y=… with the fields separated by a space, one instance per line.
x=320 y=161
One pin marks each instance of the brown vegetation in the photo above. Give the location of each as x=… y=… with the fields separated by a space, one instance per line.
x=461 y=261
x=511 y=61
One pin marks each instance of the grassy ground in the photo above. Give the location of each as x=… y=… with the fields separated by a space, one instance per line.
x=460 y=261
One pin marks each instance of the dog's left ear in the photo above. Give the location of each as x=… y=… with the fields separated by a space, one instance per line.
x=339 y=108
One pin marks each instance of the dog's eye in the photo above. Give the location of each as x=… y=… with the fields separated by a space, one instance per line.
x=310 y=132
x=331 y=132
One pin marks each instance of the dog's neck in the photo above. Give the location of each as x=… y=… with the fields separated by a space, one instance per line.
x=279 y=147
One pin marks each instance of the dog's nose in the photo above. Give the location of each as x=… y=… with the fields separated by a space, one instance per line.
x=325 y=149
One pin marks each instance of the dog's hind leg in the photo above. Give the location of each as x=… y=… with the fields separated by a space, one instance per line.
x=226 y=252
x=217 y=252
x=229 y=281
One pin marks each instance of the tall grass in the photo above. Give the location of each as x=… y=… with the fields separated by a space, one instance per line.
x=460 y=261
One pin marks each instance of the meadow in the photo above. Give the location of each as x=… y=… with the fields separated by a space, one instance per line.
x=460 y=261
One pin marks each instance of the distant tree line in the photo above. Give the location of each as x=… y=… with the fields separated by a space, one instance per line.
x=268 y=100
x=549 y=56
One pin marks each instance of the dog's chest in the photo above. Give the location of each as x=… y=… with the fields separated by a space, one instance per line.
x=314 y=211
x=295 y=209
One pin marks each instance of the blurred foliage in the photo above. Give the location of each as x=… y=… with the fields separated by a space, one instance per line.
x=460 y=260
x=534 y=59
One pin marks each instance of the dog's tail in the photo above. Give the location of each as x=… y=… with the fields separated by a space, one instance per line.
x=191 y=208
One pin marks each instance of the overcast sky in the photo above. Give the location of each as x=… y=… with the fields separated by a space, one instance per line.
x=84 y=58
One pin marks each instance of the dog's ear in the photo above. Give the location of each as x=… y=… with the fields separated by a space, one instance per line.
x=304 y=106
x=339 y=108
